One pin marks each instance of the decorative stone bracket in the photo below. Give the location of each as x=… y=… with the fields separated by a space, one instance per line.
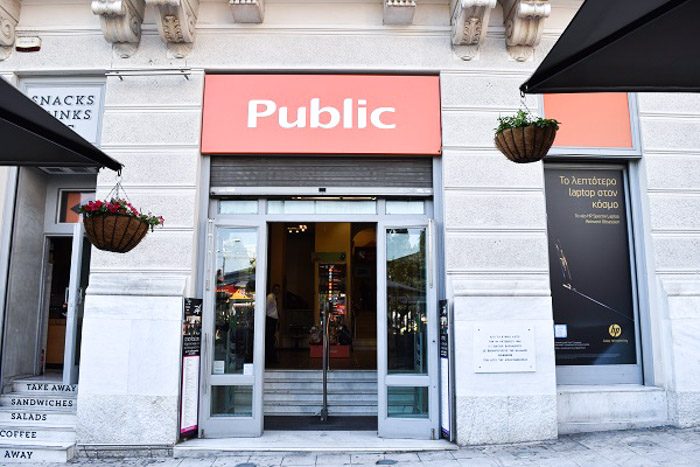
x=524 y=23
x=248 y=11
x=397 y=12
x=121 y=23
x=177 y=20
x=9 y=17
x=470 y=19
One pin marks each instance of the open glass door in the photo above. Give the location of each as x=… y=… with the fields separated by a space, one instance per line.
x=233 y=326
x=406 y=331
x=79 y=274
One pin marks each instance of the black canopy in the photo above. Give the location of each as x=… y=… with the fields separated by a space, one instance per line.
x=30 y=136
x=625 y=45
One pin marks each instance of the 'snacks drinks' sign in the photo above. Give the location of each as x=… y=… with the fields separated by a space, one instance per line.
x=77 y=105
x=321 y=114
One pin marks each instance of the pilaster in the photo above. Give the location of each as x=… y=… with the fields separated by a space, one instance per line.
x=682 y=344
x=248 y=11
x=399 y=12
x=504 y=407
x=470 y=19
x=9 y=17
x=121 y=23
x=176 y=21
x=132 y=325
x=524 y=23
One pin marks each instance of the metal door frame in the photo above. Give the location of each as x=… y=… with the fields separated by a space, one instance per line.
x=223 y=426
x=76 y=295
x=428 y=429
x=394 y=427
x=75 y=300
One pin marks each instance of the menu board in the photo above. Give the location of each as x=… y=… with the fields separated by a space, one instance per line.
x=446 y=407
x=191 y=348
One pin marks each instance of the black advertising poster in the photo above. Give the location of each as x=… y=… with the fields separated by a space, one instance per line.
x=191 y=348
x=589 y=267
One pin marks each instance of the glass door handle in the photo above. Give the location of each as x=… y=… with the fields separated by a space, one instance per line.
x=430 y=253
x=205 y=360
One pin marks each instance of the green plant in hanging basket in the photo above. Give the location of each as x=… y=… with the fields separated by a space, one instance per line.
x=116 y=225
x=524 y=137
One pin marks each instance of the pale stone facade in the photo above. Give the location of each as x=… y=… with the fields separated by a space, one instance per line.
x=495 y=232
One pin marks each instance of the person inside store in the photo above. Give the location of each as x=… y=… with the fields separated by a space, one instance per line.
x=271 y=319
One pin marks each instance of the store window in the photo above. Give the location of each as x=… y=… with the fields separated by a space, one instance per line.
x=598 y=124
x=70 y=202
x=592 y=274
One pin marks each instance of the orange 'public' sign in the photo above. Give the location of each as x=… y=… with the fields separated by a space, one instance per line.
x=321 y=114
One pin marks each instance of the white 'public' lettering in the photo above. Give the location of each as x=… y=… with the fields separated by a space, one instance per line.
x=317 y=116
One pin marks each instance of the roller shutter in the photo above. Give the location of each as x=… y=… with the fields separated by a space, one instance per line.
x=290 y=171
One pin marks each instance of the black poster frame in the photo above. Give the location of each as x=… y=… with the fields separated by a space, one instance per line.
x=631 y=373
x=191 y=353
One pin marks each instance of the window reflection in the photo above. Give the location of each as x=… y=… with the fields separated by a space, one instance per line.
x=407 y=402
x=406 y=301
x=235 y=300
x=232 y=401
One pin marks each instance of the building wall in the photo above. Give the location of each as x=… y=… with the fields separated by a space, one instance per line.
x=24 y=291
x=8 y=177
x=134 y=304
x=495 y=227
x=669 y=124
x=496 y=260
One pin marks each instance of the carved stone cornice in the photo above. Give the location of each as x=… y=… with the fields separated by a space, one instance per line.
x=177 y=20
x=121 y=22
x=248 y=11
x=524 y=23
x=399 y=12
x=470 y=20
x=9 y=17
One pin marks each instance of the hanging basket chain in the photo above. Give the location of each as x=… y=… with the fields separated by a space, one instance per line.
x=118 y=190
x=523 y=102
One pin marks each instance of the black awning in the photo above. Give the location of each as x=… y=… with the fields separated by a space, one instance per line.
x=624 y=45
x=30 y=136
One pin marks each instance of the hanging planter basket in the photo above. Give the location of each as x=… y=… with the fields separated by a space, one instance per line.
x=526 y=144
x=115 y=224
x=524 y=138
x=116 y=233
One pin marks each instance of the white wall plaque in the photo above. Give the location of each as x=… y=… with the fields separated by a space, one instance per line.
x=77 y=105
x=504 y=348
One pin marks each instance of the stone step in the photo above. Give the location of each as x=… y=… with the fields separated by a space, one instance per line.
x=316 y=375
x=41 y=402
x=315 y=409
x=28 y=386
x=17 y=415
x=317 y=402
x=40 y=434
x=347 y=398
x=25 y=452
x=362 y=386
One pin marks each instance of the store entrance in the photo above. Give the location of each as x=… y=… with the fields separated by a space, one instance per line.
x=275 y=267
x=318 y=271
x=65 y=280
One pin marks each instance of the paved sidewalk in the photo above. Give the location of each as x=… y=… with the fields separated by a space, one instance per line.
x=652 y=447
